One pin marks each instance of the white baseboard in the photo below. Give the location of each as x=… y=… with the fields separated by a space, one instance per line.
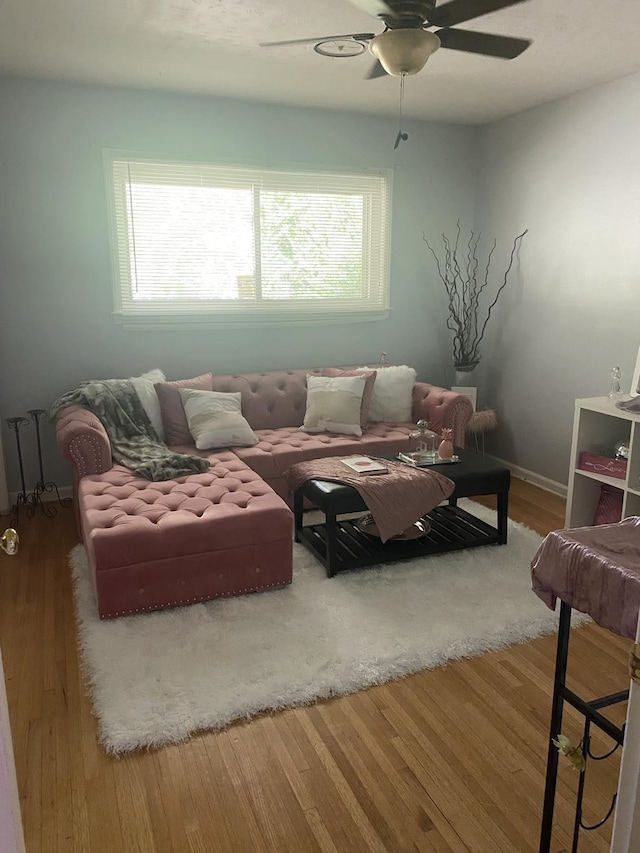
x=531 y=477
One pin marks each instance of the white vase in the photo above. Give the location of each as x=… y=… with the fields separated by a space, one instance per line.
x=464 y=375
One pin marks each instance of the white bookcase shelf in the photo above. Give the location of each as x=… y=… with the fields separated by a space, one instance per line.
x=598 y=424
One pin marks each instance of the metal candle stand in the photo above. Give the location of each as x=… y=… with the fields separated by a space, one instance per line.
x=16 y=424
x=32 y=500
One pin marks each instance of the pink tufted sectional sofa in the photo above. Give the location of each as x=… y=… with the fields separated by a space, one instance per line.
x=228 y=531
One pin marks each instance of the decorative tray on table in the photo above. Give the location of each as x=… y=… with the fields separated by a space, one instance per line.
x=418 y=460
x=419 y=528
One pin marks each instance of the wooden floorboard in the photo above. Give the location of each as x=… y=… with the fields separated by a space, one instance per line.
x=445 y=761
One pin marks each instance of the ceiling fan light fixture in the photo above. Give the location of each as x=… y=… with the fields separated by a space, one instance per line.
x=340 y=47
x=404 y=51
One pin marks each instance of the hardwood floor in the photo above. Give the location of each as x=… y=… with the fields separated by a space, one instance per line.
x=445 y=761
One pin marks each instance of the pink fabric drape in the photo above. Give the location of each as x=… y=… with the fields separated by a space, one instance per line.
x=396 y=500
x=595 y=570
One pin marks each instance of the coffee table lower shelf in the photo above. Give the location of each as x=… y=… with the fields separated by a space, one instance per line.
x=452 y=528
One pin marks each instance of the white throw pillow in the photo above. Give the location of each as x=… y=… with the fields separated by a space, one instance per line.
x=392 y=400
x=215 y=419
x=333 y=404
x=143 y=386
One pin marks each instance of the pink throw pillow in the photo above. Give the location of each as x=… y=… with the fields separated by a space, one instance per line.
x=174 y=420
x=370 y=378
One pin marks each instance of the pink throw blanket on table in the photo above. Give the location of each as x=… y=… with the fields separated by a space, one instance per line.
x=396 y=500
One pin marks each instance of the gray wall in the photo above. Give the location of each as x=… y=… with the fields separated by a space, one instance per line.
x=570 y=173
x=55 y=325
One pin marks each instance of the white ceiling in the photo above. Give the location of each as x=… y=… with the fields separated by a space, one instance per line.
x=211 y=46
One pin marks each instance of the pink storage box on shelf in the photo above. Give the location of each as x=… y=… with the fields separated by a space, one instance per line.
x=599 y=464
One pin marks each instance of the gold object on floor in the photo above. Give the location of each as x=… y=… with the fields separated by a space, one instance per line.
x=9 y=541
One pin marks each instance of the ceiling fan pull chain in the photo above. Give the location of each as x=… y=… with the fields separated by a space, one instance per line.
x=401 y=137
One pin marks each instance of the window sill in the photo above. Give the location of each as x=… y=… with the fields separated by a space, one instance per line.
x=195 y=322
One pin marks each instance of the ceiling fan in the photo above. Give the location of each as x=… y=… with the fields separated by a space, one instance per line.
x=406 y=44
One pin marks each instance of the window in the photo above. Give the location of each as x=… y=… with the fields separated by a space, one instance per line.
x=201 y=243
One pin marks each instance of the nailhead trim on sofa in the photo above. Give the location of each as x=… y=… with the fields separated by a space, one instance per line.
x=183 y=602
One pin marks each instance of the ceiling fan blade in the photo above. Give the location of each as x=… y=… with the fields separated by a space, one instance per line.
x=458 y=11
x=503 y=47
x=376 y=70
x=354 y=36
x=373 y=7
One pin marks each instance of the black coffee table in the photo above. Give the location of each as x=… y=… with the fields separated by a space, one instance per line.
x=340 y=544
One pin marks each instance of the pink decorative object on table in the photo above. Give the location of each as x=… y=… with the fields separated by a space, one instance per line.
x=446 y=446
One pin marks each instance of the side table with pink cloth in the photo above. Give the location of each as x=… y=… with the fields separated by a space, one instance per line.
x=595 y=570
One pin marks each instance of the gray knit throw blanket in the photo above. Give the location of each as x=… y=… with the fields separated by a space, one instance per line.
x=134 y=441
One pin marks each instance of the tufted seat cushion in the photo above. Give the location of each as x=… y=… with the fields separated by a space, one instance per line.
x=158 y=544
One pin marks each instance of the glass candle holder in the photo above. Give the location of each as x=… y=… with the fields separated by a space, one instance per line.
x=423 y=443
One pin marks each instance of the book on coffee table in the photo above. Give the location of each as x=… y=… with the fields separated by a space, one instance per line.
x=364 y=465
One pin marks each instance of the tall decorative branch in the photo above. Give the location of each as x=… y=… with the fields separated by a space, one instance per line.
x=459 y=272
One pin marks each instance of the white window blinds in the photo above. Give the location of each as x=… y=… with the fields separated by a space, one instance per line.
x=198 y=241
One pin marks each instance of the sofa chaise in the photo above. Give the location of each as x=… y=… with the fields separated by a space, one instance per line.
x=227 y=531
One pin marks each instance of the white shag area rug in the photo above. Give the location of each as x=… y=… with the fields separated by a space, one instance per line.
x=159 y=677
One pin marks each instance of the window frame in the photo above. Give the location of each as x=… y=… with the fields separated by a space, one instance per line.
x=231 y=313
